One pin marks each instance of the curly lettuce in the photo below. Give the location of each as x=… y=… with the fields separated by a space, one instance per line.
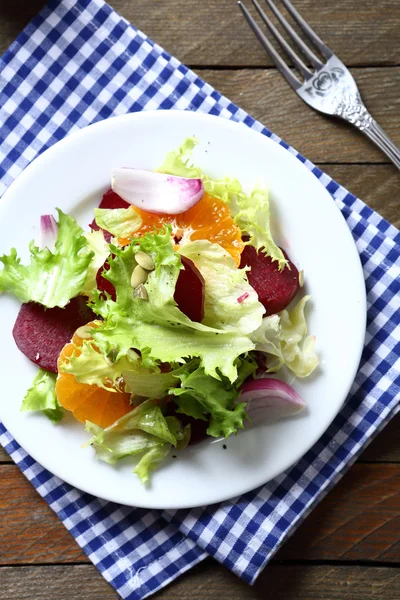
x=41 y=396
x=251 y=212
x=230 y=302
x=120 y=222
x=101 y=251
x=51 y=278
x=143 y=431
x=89 y=366
x=284 y=338
x=155 y=326
x=203 y=397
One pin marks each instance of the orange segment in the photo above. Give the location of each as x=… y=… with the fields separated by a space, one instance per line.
x=88 y=402
x=209 y=219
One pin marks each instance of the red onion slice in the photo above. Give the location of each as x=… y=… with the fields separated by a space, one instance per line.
x=48 y=232
x=269 y=399
x=156 y=192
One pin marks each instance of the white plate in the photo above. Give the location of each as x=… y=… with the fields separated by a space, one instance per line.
x=72 y=175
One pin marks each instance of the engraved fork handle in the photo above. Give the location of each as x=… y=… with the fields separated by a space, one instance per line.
x=353 y=110
x=383 y=141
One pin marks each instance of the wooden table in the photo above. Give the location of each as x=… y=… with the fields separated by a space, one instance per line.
x=349 y=547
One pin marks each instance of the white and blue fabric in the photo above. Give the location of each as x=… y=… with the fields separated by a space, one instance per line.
x=79 y=62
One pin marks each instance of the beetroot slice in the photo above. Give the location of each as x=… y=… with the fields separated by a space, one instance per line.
x=276 y=289
x=42 y=333
x=109 y=200
x=189 y=291
x=112 y=200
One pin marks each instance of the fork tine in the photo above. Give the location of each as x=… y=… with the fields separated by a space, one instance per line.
x=295 y=58
x=266 y=44
x=297 y=39
x=316 y=40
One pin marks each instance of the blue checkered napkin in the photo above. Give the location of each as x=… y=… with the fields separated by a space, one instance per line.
x=79 y=62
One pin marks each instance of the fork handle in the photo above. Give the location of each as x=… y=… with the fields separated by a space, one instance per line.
x=383 y=141
x=354 y=111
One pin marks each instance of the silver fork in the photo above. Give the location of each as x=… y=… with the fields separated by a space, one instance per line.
x=328 y=87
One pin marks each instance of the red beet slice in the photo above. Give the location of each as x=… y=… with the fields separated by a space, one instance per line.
x=276 y=289
x=189 y=291
x=42 y=333
x=109 y=200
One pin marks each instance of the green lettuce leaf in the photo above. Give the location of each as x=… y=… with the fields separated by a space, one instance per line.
x=252 y=214
x=41 y=396
x=101 y=250
x=120 y=222
x=112 y=446
x=250 y=211
x=150 y=461
x=225 y=285
x=215 y=397
x=284 y=337
x=156 y=327
x=147 y=417
x=142 y=431
x=146 y=383
x=51 y=279
x=190 y=406
x=90 y=367
x=179 y=162
x=246 y=367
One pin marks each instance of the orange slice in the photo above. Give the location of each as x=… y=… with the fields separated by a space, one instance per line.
x=88 y=402
x=209 y=219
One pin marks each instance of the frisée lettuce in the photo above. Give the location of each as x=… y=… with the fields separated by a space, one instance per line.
x=41 y=396
x=144 y=431
x=230 y=303
x=156 y=325
x=121 y=222
x=51 y=278
x=250 y=211
x=284 y=338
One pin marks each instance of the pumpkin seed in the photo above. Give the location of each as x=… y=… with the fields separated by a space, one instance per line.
x=84 y=332
x=301 y=278
x=139 y=276
x=145 y=261
x=141 y=292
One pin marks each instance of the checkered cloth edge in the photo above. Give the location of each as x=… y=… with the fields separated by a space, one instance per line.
x=79 y=62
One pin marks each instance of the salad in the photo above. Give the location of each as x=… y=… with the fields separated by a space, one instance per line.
x=166 y=321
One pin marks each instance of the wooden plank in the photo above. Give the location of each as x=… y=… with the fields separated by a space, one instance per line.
x=30 y=531
x=54 y=582
x=267 y=97
x=358 y=520
x=386 y=446
x=287 y=582
x=213 y=32
x=216 y=33
x=14 y=15
x=212 y=581
x=4 y=456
